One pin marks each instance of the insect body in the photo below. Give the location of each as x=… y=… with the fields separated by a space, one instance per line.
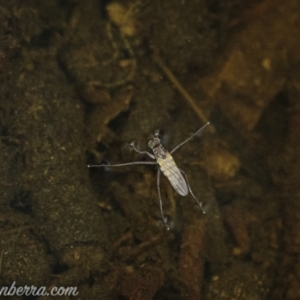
x=171 y=171
x=167 y=165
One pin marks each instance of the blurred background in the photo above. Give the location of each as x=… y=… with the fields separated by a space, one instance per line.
x=80 y=80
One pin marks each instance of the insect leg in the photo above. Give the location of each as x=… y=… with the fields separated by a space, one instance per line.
x=160 y=201
x=141 y=152
x=125 y=164
x=189 y=187
x=181 y=144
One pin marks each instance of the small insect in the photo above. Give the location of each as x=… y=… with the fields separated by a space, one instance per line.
x=167 y=165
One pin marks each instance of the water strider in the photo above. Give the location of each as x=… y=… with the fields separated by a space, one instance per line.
x=167 y=165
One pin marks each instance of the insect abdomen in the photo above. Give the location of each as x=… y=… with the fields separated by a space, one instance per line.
x=171 y=171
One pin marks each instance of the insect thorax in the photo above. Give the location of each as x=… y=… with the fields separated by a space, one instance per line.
x=160 y=152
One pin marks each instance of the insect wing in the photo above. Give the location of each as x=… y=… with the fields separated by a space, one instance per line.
x=171 y=171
